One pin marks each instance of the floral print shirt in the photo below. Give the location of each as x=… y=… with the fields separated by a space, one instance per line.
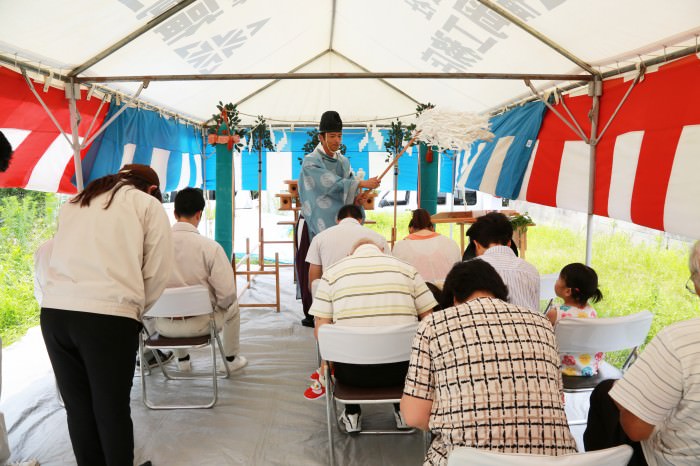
x=582 y=364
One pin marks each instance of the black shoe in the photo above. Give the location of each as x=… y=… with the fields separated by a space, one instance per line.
x=308 y=321
x=151 y=360
x=147 y=463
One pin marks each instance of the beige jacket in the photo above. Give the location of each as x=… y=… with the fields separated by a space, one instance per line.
x=115 y=261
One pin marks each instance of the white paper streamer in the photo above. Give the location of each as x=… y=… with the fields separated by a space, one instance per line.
x=452 y=130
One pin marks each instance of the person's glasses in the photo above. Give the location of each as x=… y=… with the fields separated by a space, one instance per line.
x=690 y=285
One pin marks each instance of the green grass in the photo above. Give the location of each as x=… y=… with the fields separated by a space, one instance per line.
x=632 y=276
x=27 y=221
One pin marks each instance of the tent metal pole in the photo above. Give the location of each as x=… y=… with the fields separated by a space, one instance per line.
x=43 y=104
x=94 y=118
x=571 y=115
x=578 y=131
x=121 y=43
x=74 y=122
x=114 y=117
x=296 y=68
x=538 y=35
x=622 y=101
x=204 y=180
x=332 y=33
x=381 y=80
x=608 y=74
x=596 y=90
x=366 y=75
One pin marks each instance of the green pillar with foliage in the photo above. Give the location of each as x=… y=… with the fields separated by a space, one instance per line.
x=223 y=233
x=428 y=178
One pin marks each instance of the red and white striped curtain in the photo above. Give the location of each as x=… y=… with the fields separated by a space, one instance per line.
x=43 y=158
x=647 y=163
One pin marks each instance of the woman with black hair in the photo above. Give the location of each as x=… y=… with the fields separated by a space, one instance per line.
x=110 y=262
x=484 y=373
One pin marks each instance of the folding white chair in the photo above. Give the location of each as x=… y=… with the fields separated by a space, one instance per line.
x=606 y=334
x=466 y=456
x=363 y=345
x=185 y=302
x=547 y=286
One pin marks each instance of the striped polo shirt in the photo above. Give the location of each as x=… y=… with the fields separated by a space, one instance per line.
x=663 y=389
x=369 y=288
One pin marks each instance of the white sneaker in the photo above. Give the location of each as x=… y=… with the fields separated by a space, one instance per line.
x=184 y=365
x=351 y=422
x=400 y=421
x=237 y=364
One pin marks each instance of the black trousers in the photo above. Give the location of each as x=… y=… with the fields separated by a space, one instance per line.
x=370 y=376
x=302 y=267
x=604 y=429
x=93 y=359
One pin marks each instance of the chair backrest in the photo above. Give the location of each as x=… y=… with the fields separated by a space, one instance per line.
x=180 y=302
x=465 y=456
x=606 y=334
x=547 y=286
x=366 y=345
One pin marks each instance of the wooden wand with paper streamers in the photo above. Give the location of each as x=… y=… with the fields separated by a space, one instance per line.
x=448 y=131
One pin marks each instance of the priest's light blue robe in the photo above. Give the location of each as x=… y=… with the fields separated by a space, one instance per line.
x=325 y=185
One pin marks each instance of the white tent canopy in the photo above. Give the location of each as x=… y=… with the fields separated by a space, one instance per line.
x=205 y=37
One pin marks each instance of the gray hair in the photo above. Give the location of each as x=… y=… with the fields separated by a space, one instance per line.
x=694 y=263
x=362 y=242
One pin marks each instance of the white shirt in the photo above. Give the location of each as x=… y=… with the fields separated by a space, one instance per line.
x=432 y=255
x=662 y=388
x=336 y=242
x=521 y=277
x=113 y=261
x=202 y=261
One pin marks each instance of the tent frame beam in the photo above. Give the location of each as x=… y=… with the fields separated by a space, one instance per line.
x=606 y=75
x=129 y=38
x=382 y=75
x=538 y=35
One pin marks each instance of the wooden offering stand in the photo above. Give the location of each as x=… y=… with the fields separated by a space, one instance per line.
x=469 y=217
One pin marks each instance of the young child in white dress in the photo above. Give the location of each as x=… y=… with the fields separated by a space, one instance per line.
x=577 y=285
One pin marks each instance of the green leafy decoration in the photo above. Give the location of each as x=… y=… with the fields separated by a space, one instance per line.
x=231 y=120
x=260 y=135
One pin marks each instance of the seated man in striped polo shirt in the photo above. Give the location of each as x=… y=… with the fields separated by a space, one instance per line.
x=492 y=235
x=385 y=291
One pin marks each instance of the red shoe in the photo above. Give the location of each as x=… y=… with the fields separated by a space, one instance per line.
x=316 y=374
x=315 y=391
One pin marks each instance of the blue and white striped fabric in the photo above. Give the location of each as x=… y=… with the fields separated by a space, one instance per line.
x=498 y=167
x=171 y=148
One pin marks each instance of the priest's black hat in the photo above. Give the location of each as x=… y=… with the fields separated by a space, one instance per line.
x=330 y=122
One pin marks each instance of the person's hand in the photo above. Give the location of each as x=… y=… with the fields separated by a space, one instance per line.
x=371 y=183
x=361 y=197
x=236 y=138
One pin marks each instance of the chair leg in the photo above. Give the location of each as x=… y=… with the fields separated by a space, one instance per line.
x=142 y=360
x=214 y=375
x=223 y=355
x=330 y=416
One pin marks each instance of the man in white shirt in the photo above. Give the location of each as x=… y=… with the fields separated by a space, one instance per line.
x=492 y=234
x=202 y=261
x=336 y=242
